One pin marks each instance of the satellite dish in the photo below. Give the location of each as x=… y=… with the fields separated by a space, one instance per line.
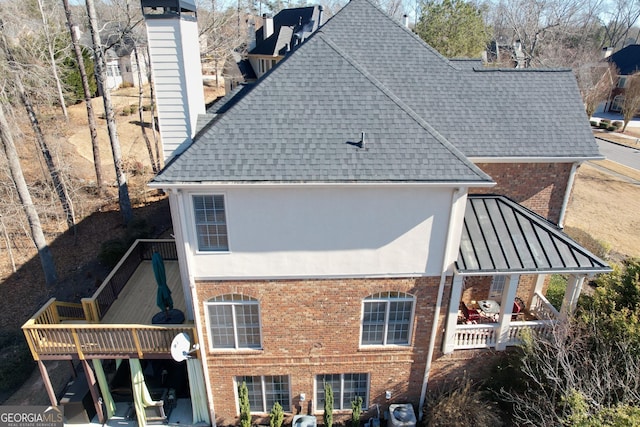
x=181 y=347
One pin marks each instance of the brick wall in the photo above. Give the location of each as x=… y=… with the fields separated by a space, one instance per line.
x=312 y=327
x=538 y=186
x=478 y=287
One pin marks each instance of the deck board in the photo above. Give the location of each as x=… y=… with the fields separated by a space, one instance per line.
x=136 y=304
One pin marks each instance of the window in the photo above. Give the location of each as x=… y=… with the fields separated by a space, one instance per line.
x=346 y=387
x=211 y=223
x=387 y=319
x=264 y=391
x=616 y=105
x=622 y=81
x=233 y=322
x=497 y=287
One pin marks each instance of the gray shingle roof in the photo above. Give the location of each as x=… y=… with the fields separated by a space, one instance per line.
x=315 y=134
x=364 y=72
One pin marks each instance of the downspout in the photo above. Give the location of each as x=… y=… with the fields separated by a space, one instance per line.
x=196 y=305
x=567 y=194
x=443 y=279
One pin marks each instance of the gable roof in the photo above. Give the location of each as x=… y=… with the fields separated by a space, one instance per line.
x=315 y=136
x=421 y=113
x=627 y=60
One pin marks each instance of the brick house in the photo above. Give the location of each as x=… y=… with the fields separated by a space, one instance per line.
x=336 y=221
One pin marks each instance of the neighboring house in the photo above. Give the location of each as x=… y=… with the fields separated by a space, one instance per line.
x=122 y=67
x=627 y=61
x=276 y=37
x=336 y=220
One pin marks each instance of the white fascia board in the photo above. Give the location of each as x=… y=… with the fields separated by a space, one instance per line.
x=204 y=185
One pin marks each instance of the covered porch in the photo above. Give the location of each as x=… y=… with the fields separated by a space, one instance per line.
x=507 y=253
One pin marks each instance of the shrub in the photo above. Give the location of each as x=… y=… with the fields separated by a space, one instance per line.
x=618 y=124
x=276 y=416
x=593 y=123
x=603 y=125
x=612 y=128
x=356 y=410
x=245 y=409
x=556 y=290
x=462 y=404
x=138 y=228
x=112 y=251
x=327 y=417
x=607 y=121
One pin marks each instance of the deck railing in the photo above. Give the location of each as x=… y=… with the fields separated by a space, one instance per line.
x=485 y=335
x=97 y=305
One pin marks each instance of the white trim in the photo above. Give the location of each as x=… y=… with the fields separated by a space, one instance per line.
x=533 y=159
x=204 y=186
x=402 y=296
x=249 y=301
x=316 y=277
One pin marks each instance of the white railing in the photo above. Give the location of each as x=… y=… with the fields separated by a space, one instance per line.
x=542 y=309
x=475 y=336
x=533 y=327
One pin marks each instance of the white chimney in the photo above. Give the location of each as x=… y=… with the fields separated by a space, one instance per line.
x=172 y=33
x=267 y=26
x=405 y=20
x=606 y=52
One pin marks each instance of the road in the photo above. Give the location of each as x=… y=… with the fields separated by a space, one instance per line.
x=624 y=155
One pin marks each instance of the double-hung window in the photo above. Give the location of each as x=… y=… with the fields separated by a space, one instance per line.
x=233 y=322
x=346 y=388
x=387 y=318
x=211 y=222
x=264 y=391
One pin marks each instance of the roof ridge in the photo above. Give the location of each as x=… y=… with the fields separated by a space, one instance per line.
x=403 y=106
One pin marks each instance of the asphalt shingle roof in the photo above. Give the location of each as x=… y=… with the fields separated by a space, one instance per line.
x=421 y=113
x=627 y=60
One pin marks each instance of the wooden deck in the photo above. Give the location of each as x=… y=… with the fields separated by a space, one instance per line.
x=136 y=304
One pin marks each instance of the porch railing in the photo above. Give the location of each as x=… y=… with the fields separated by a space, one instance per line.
x=97 y=305
x=485 y=335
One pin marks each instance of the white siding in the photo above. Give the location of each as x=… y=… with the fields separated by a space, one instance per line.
x=327 y=232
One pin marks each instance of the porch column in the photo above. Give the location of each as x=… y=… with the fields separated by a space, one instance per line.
x=506 y=309
x=538 y=288
x=570 y=300
x=449 y=341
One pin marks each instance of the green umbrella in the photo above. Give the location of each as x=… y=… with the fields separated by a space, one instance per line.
x=163 y=295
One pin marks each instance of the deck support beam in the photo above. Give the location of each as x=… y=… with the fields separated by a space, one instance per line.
x=93 y=388
x=44 y=373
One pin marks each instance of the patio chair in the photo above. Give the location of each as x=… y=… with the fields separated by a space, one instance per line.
x=470 y=314
x=518 y=309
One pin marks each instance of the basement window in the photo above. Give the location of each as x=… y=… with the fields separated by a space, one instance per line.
x=265 y=390
x=346 y=388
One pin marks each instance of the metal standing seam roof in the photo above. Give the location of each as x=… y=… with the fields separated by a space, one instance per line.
x=501 y=236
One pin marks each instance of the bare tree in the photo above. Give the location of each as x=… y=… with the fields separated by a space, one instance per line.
x=93 y=129
x=101 y=74
x=620 y=17
x=56 y=177
x=631 y=99
x=37 y=234
x=595 y=81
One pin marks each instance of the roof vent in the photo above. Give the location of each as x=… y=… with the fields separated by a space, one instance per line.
x=363 y=142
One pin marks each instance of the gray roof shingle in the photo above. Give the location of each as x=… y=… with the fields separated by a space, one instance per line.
x=421 y=113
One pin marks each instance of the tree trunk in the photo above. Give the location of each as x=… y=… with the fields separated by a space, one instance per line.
x=100 y=64
x=46 y=258
x=93 y=129
x=56 y=177
x=152 y=96
x=152 y=159
x=52 y=58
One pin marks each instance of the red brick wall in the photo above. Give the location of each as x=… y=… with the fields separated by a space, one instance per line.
x=312 y=327
x=537 y=186
x=478 y=287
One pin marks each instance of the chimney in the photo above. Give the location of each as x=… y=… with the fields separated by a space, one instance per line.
x=174 y=49
x=252 y=34
x=405 y=20
x=606 y=52
x=320 y=12
x=267 y=26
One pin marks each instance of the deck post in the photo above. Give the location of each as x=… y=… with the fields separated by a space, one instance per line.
x=47 y=383
x=506 y=310
x=91 y=381
x=540 y=279
x=449 y=342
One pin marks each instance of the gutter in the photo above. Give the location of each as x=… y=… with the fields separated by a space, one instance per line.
x=202 y=186
x=455 y=195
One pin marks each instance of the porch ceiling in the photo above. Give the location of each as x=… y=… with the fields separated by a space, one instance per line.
x=501 y=236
